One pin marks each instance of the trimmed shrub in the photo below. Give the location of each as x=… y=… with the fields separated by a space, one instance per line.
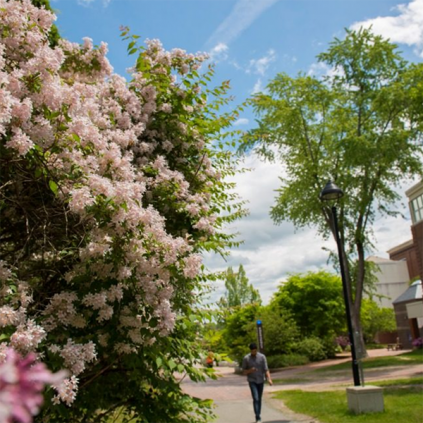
x=312 y=348
x=286 y=360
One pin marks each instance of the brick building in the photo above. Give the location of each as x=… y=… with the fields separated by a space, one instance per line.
x=409 y=306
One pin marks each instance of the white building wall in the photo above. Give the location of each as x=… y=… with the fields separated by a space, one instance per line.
x=393 y=280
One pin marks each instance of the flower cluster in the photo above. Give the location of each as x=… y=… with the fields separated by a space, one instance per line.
x=418 y=343
x=342 y=341
x=22 y=381
x=129 y=164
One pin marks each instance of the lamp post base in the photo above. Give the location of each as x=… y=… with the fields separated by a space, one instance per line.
x=365 y=399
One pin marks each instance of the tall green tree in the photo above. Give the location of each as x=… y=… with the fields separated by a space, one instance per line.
x=360 y=126
x=238 y=291
x=376 y=319
x=315 y=302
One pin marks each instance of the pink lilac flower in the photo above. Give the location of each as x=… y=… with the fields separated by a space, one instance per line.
x=22 y=381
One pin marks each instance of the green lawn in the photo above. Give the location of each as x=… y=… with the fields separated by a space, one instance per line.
x=410 y=358
x=291 y=380
x=403 y=404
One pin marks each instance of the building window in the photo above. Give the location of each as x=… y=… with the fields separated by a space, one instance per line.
x=417 y=206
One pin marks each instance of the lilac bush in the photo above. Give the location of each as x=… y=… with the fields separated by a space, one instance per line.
x=111 y=190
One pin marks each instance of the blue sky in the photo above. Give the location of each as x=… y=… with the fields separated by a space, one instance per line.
x=250 y=41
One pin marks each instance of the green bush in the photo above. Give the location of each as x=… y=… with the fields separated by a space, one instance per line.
x=312 y=348
x=286 y=360
x=330 y=346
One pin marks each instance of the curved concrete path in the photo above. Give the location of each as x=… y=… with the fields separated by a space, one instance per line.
x=232 y=396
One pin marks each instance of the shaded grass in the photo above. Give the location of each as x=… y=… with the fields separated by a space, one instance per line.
x=401 y=382
x=392 y=382
x=410 y=358
x=401 y=405
x=291 y=380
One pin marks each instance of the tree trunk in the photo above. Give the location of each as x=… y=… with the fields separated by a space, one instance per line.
x=359 y=289
x=354 y=301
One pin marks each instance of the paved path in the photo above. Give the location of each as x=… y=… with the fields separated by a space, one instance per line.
x=232 y=396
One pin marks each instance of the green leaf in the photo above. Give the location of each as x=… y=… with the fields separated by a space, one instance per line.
x=159 y=362
x=131 y=45
x=38 y=172
x=53 y=186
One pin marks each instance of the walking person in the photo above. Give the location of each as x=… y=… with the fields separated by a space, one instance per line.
x=254 y=365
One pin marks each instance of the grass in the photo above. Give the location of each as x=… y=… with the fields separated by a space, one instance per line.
x=401 y=382
x=410 y=358
x=391 y=382
x=291 y=380
x=402 y=404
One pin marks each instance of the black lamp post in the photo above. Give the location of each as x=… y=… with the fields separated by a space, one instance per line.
x=332 y=192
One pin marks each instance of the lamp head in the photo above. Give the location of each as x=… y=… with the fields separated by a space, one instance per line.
x=331 y=192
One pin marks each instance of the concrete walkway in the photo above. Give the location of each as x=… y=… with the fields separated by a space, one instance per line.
x=232 y=396
x=242 y=411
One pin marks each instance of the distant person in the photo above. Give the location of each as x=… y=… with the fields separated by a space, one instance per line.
x=254 y=365
x=210 y=359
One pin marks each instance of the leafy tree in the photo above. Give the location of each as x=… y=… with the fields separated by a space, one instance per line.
x=239 y=330
x=238 y=291
x=360 y=126
x=109 y=193
x=315 y=303
x=376 y=319
x=279 y=329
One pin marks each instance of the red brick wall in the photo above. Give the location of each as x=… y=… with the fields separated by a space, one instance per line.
x=417 y=231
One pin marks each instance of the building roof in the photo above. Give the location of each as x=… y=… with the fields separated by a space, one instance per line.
x=401 y=247
x=377 y=259
x=414 y=292
x=414 y=190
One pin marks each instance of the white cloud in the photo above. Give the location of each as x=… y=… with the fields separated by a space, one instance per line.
x=261 y=65
x=258 y=87
x=320 y=69
x=85 y=3
x=219 y=52
x=406 y=27
x=269 y=252
x=244 y=13
x=241 y=121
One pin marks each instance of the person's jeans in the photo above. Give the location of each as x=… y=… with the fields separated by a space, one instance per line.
x=257 y=393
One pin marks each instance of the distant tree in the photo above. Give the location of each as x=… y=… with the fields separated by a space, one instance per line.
x=238 y=291
x=239 y=330
x=315 y=302
x=279 y=329
x=360 y=126
x=376 y=319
